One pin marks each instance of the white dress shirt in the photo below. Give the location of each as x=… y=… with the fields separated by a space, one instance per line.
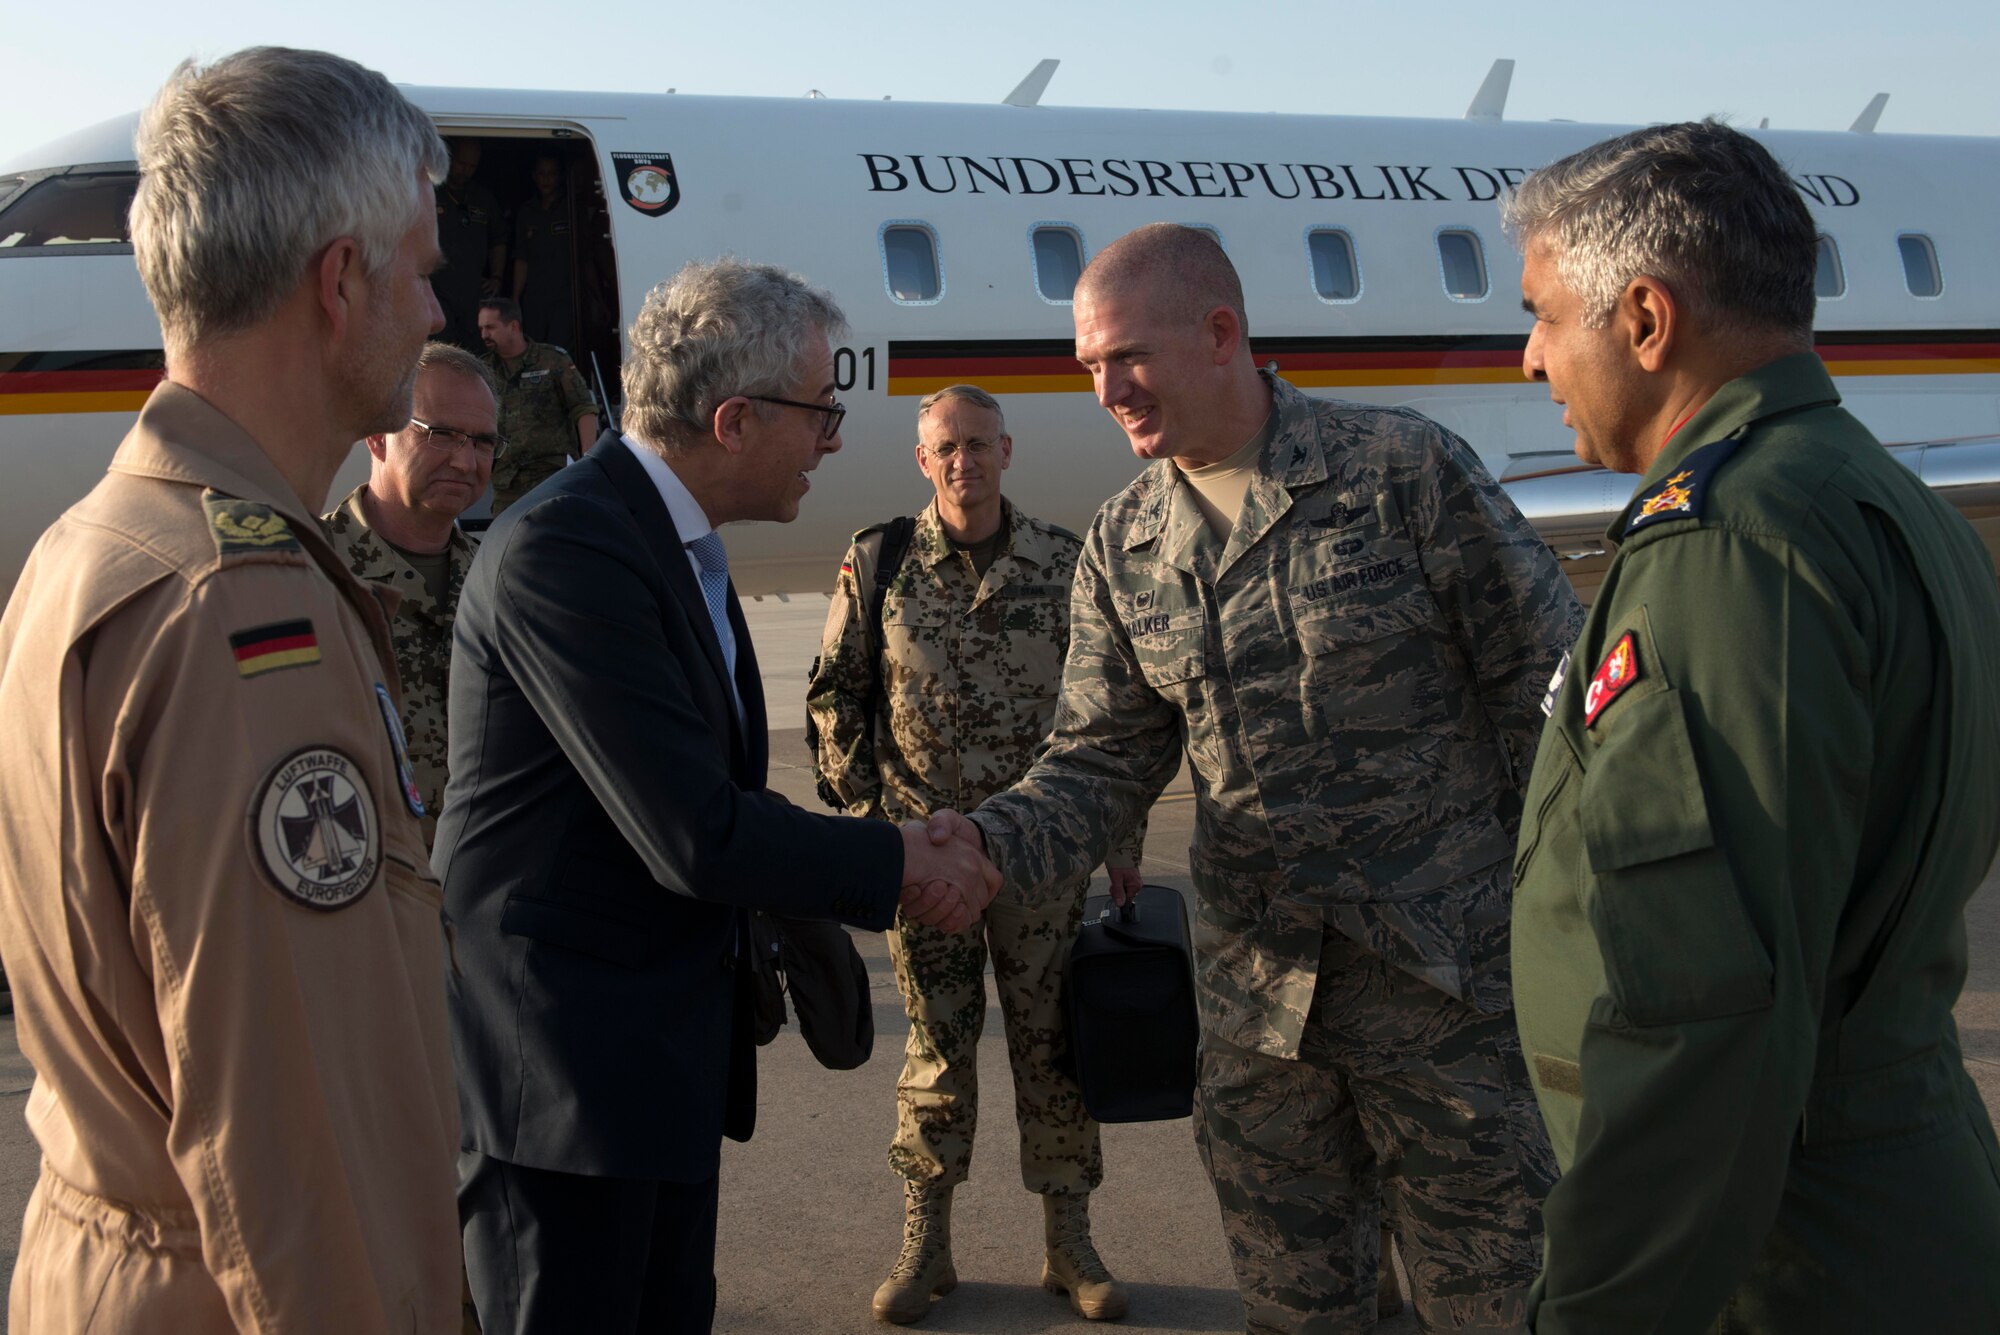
x=692 y=523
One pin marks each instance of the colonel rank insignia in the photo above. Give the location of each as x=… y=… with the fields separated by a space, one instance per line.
x=246 y=526
x=1619 y=669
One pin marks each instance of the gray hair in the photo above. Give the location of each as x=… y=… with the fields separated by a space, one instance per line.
x=249 y=166
x=1702 y=207
x=971 y=394
x=451 y=357
x=716 y=329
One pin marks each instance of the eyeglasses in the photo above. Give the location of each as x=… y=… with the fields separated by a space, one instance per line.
x=973 y=449
x=451 y=439
x=828 y=429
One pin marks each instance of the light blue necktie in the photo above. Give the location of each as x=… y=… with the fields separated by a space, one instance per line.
x=707 y=549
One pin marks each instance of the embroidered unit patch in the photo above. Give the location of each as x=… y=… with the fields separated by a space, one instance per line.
x=312 y=828
x=1619 y=669
x=406 y=773
x=282 y=644
x=1555 y=685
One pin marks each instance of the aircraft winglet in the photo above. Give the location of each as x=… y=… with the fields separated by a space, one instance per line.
x=1029 y=91
x=1491 y=99
x=1865 y=122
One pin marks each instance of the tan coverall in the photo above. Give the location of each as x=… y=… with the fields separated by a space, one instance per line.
x=224 y=941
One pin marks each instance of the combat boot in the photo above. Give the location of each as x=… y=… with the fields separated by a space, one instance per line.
x=1072 y=1265
x=924 y=1268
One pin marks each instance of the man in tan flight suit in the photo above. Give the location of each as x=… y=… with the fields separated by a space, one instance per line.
x=213 y=897
x=400 y=528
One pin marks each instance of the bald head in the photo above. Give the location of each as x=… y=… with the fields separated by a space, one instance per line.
x=1181 y=272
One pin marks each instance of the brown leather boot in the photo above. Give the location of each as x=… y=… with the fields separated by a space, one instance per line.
x=1388 y=1290
x=1072 y=1265
x=924 y=1268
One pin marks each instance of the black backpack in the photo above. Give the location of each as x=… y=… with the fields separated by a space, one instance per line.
x=890 y=543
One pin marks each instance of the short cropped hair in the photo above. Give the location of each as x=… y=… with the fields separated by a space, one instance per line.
x=1702 y=207
x=971 y=394
x=716 y=329
x=249 y=166
x=508 y=309
x=451 y=357
x=1183 y=269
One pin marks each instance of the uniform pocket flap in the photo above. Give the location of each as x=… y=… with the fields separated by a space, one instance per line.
x=1645 y=803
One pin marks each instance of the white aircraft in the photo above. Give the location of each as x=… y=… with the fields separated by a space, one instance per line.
x=1370 y=251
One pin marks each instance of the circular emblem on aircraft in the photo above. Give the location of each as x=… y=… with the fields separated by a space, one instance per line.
x=313 y=829
x=649 y=185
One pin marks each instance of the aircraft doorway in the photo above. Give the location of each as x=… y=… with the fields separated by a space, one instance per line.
x=522 y=215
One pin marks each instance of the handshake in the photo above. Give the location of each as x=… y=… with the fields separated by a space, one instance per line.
x=947 y=880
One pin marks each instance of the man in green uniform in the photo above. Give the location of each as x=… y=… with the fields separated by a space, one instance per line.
x=942 y=704
x=1342 y=621
x=399 y=528
x=546 y=412
x=1763 y=796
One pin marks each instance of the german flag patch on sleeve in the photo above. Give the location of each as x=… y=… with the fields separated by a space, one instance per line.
x=282 y=644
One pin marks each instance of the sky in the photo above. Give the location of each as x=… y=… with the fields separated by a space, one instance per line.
x=1803 y=65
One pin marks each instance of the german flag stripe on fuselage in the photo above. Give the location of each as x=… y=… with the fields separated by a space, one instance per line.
x=78 y=382
x=282 y=644
x=1048 y=366
x=99 y=382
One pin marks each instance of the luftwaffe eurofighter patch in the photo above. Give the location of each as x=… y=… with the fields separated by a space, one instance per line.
x=246 y=526
x=313 y=829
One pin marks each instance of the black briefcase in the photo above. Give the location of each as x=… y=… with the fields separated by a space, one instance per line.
x=1129 y=994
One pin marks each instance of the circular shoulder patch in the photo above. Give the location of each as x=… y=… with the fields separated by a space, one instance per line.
x=313 y=829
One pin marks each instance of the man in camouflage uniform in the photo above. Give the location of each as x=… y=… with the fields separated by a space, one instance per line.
x=970 y=650
x=546 y=412
x=1349 y=627
x=398 y=528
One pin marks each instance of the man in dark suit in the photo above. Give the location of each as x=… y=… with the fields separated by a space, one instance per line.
x=607 y=823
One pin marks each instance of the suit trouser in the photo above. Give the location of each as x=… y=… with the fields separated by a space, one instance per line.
x=942 y=976
x=554 y=1253
x=1403 y=1099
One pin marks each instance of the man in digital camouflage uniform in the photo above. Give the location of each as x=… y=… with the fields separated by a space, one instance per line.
x=400 y=528
x=970 y=652
x=1349 y=628
x=1764 y=794
x=546 y=412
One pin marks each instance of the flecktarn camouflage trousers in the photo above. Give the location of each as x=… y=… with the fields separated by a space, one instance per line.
x=1405 y=1100
x=942 y=976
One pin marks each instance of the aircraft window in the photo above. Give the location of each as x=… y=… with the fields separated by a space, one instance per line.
x=1829 y=279
x=70 y=211
x=1058 y=262
x=1335 y=276
x=1464 y=264
x=909 y=255
x=1920 y=266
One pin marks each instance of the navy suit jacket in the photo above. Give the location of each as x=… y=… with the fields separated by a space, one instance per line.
x=605 y=824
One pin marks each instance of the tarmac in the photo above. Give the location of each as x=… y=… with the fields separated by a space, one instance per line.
x=810 y=1218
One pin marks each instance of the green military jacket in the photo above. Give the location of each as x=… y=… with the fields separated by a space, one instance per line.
x=1355 y=678
x=970 y=670
x=421 y=633
x=542 y=397
x=1765 y=792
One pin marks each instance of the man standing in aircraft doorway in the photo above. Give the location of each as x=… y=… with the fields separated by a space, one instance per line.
x=213 y=901
x=940 y=702
x=1348 y=627
x=546 y=412
x=1765 y=792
